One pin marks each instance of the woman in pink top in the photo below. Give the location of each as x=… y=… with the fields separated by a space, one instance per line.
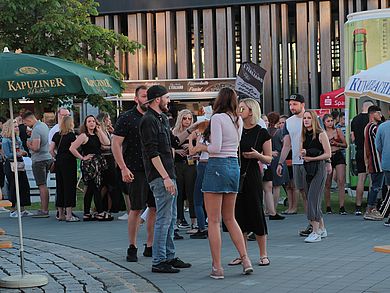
x=221 y=179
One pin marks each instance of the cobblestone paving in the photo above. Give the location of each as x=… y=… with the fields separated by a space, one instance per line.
x=70 y=270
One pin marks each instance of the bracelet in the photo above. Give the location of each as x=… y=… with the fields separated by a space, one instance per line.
x=165 y=178
x=281 y=164
x=188 y=131
x=328 y=161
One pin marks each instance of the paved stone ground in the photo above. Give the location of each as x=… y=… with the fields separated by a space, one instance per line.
x=344 y=262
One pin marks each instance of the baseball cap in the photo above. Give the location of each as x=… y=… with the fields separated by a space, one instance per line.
x=155 y=92
x=296 y=97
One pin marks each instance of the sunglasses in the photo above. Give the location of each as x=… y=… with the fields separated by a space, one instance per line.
x=187 y=118
x=242 y=109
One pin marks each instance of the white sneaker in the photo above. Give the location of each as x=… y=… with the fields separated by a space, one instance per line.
x=313 y=237
x=13 y=214
x=373 y=215
x=124 y=217
x=323 y=233
x=26 y=213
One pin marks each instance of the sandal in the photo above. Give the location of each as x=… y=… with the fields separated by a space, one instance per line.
x=73 y=219
x=262 y=263
x=235 y=262
x=104 y=217
x=88 y=218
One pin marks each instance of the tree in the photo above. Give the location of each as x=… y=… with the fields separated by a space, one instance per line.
x=63 y=29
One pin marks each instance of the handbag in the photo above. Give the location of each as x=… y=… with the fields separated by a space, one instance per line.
x=243 y=175
x=52 y=167
x=20 y=166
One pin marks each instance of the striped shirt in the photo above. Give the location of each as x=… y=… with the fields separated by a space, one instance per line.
x=372 y=155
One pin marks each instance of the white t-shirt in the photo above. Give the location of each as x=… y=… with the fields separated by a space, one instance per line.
x=53 y=131
x=261 y=122
x=293 y=127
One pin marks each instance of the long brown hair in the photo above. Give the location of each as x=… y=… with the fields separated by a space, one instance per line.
x=83 y=128
x=326 y=116
x=227 y=102
x=315 y=123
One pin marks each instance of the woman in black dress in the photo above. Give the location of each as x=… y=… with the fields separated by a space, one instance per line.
x=255 y=148
x=66 y=170
x=91 y=139
x=111 y=194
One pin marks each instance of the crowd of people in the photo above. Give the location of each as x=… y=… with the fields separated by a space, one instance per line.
x=229 y=169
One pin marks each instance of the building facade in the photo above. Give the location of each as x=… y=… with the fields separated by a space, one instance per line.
x=299 y=43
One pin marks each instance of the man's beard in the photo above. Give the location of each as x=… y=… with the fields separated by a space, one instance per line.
x=143 y=107
x=163 y=108
x=295 y=112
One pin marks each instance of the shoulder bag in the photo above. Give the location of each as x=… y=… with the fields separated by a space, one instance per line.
x=53 y=163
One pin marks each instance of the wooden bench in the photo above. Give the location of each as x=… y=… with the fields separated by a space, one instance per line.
x=382 y=248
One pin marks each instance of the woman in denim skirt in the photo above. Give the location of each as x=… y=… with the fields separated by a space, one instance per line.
x=221 y=179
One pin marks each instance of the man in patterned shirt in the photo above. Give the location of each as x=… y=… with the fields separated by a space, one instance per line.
x=373 y=163
x=126 y=148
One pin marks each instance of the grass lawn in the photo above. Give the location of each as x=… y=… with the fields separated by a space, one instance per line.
x=349 y=203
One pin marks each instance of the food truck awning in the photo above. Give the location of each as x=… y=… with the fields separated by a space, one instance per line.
x=181 y=89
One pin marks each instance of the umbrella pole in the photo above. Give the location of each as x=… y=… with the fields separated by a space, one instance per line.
x=23 y=280
x=15 y=163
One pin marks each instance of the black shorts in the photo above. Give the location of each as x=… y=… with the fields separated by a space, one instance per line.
x=361 y=165
x=267 y=175
x=139 y=192
x=337 y=159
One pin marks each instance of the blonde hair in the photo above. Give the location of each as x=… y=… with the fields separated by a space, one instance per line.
x=66 y=125
x=315 y=123
x=255 y=108
x=179 y=126
x=7 y=128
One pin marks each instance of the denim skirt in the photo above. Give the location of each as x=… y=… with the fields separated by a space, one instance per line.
x=222 y=175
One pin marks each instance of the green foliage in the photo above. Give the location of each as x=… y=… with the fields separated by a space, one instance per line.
x=62 y=29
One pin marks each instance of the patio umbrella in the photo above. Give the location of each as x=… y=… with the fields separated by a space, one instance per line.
x=36 y=76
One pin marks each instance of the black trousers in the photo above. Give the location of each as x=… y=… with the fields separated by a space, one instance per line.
x=185 y=179
x=66 y=181
x=24 y=186
x=92 y=191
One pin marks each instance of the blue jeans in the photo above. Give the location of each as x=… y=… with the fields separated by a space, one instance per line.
x=198 y=196
x=166 y=214
x=376 y=186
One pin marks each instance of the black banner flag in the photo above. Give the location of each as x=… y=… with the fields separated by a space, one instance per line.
x=249 y=81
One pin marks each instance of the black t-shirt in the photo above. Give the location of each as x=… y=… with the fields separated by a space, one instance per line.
x=127 y=127
x=63 y=147
x=248 y=141
x=357 y=126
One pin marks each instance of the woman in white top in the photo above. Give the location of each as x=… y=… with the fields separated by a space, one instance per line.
x=221 y=180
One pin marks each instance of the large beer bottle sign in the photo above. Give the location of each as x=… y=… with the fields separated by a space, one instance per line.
x=359 y=64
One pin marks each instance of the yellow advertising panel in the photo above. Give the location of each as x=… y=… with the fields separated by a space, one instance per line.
x=367 y=43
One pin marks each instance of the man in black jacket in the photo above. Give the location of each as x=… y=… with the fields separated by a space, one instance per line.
x=157 y=141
